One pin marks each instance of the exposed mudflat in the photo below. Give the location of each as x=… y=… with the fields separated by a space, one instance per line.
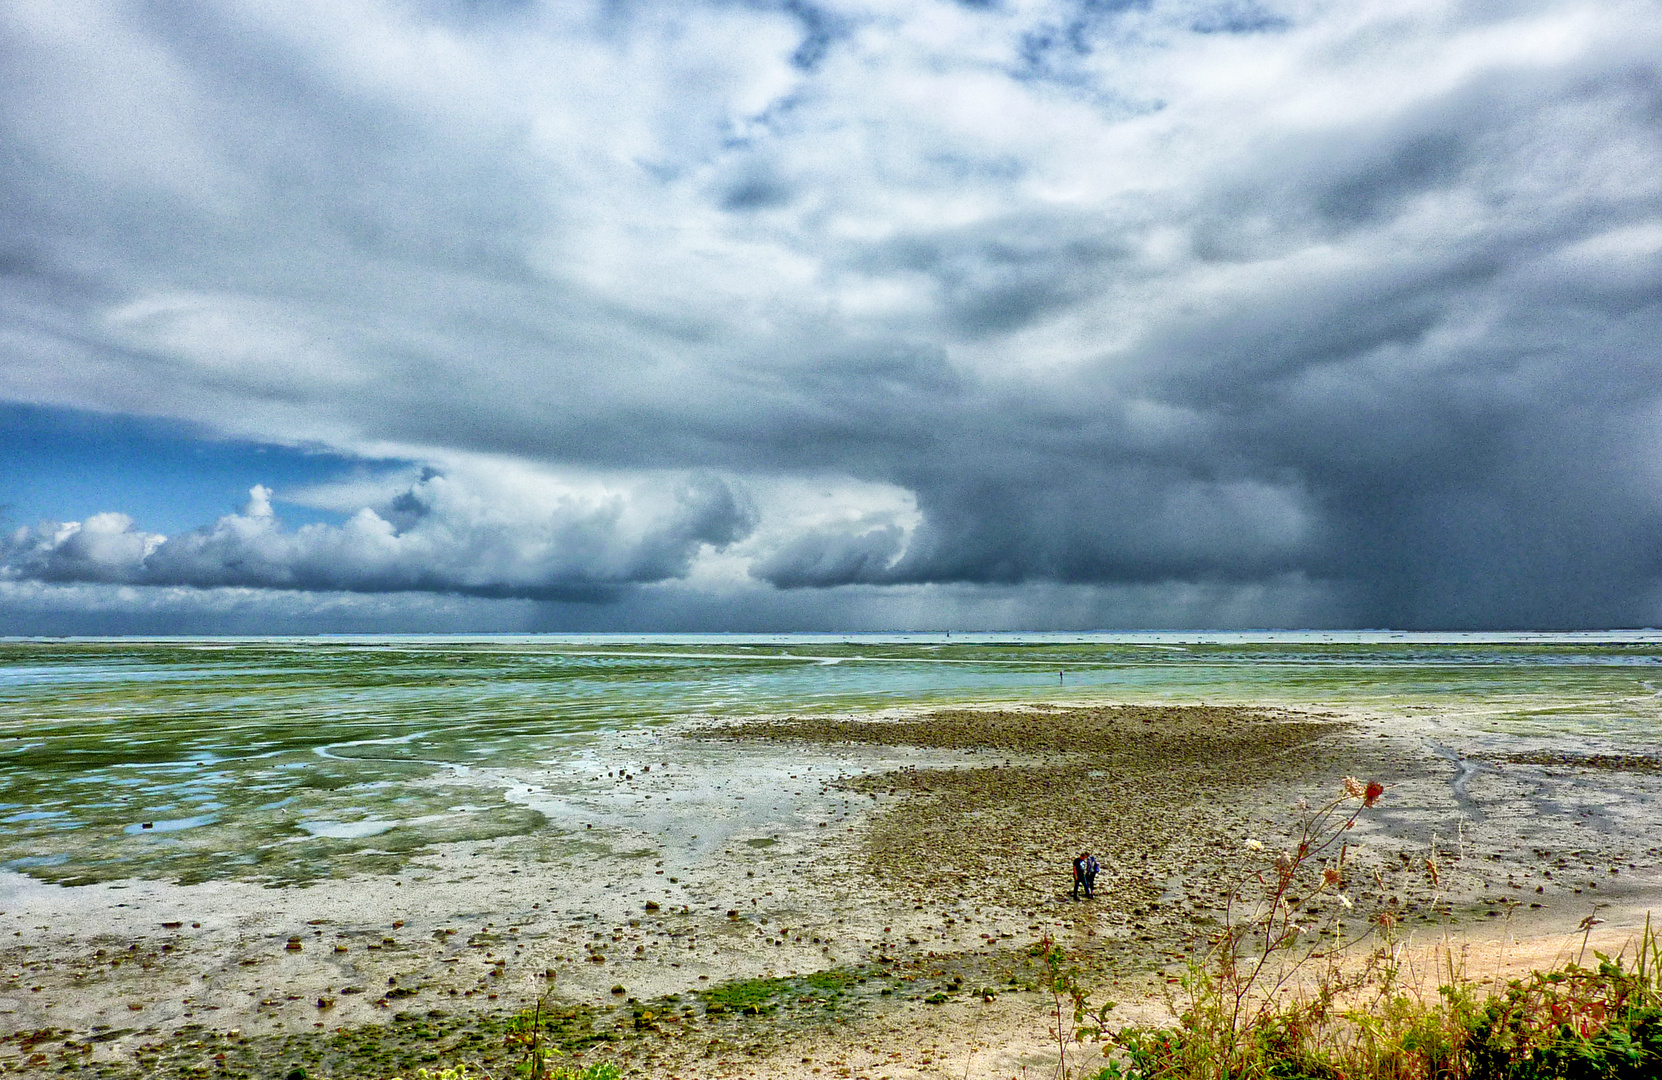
x=1620 y=762
x=854 y=895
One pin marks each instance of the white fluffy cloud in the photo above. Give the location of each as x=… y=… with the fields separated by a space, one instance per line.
x=502 y=532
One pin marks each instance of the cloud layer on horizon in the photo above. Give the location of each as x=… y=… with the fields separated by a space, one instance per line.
x=1340 y=312
x=509 y=533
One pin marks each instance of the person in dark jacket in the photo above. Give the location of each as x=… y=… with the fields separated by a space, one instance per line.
x=1079 y=876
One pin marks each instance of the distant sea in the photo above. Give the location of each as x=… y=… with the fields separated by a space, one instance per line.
x=288 y=758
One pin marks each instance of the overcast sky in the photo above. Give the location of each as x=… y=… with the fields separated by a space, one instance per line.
x=503 y=314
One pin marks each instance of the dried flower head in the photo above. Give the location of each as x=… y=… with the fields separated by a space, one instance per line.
x=1284 y=863
x=1385 y=920
x=1330 y=876
x=1354 y=787
x=1302 y=804
x=1254 y=845
x=1343 y=899
x=1372 y=793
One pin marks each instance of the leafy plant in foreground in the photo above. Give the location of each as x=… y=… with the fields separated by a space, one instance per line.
x=1074 y=1018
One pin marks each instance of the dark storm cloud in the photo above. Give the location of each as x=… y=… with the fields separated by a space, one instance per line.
x=841 y=557
x=1343 y=313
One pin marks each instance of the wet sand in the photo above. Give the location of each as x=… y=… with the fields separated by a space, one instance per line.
x=914 y=854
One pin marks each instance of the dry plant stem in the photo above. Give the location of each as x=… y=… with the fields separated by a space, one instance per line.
x=1272 y=928
x=1586 y=927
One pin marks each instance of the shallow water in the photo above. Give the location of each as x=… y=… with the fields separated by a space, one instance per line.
x=287 y=759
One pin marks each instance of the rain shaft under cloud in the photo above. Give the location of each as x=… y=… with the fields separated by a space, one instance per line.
x=1044 y=312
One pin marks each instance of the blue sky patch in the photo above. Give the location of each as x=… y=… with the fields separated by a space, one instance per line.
x=66 y=464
